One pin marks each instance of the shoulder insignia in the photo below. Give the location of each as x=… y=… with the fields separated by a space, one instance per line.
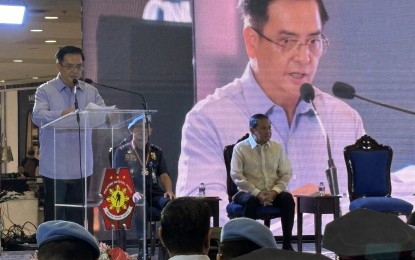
x=155 y=147
x=124 y=146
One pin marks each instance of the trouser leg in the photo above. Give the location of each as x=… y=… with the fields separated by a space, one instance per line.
x=250 y=203
x=49 y=199
x=75 y=195
x=285 y=202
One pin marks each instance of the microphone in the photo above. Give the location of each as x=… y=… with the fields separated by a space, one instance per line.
x=75 y=82
x=343 y=90
x=145 y=107
x=346 y=91
x=307 y=94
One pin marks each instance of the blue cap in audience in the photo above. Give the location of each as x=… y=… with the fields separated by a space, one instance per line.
x=137 y=120
x=60 y=229
x=249 y=229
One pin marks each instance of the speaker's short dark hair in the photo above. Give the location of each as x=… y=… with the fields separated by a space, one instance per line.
x=60 y=54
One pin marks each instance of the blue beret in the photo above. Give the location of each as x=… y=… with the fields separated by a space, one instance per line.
x=137 y=120
x=60 y=229
x=249 y=229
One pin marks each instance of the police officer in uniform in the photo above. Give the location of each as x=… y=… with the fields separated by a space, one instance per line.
x=159 y=188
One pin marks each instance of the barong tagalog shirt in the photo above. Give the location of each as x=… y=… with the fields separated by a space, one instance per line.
x=256 y=167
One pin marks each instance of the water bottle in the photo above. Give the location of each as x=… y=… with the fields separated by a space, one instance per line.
x=202 y=190
x=321 y=189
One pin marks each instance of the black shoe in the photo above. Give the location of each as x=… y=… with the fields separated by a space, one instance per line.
x=288 y=247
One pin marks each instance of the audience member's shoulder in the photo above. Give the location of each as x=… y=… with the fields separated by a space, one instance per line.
x=273 y=253
x=365 y=232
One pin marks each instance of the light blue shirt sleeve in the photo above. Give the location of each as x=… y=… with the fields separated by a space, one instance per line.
x=59 y=150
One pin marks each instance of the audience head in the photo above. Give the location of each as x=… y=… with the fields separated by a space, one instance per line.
x=64 y=240
x=240 y=236
x=366 y=234
x=184 y=227
x=31 y=152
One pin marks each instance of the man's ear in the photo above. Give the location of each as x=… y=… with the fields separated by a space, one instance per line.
x=251 y=41
x=159 y=232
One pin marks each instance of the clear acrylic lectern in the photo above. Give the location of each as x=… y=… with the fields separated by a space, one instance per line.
x=84 y=138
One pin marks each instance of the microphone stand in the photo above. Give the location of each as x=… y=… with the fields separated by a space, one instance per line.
x=144 y=102
x=346 y=91
x=83 y=181
x=307 y=94
x=385 y=105
x=331 y=172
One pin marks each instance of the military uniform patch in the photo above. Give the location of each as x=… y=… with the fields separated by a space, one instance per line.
x=130 y=157
x=153 y=156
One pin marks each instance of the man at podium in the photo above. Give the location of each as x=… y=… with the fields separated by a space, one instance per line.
x=60 y=158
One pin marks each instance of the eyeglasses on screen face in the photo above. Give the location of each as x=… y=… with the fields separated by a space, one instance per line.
x=316 y=44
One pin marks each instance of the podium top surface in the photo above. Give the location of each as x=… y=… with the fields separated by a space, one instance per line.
x=103 y=118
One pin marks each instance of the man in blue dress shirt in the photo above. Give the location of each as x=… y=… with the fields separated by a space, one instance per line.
x=59 y=151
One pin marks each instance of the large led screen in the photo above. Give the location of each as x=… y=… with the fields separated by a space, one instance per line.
x=371 y=48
